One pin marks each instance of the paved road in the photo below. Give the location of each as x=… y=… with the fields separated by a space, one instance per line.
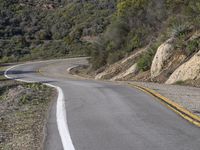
x=109 y=116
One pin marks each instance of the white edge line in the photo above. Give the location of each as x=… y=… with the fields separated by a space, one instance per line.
x=70 y=68
x=61 y=117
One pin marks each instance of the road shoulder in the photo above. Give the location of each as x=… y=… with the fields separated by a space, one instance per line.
x=184 y=100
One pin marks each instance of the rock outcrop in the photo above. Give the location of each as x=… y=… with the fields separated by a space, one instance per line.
x=190 y=70
x=176 y=60
x=132 y=70
x=170 y=64
x=163 y=54
x=121 y=66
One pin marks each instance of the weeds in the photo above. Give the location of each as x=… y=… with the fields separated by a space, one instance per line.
x=179 y=29
x=23 y=115
x=192 y=46
x=180 y=82
x=145 y=61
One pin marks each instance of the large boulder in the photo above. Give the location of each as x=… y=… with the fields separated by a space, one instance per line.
x=163 y=54
x=190 y=70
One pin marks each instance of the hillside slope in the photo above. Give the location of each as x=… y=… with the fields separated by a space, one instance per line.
x=126 y=39
x=41 y=29
x=168 y=31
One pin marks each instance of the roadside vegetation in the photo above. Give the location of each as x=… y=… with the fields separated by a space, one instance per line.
x=23 y=113
x=140 y=23
x=44 y=29
x=106 y=30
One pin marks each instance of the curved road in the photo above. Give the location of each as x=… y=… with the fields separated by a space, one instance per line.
x=108 y=116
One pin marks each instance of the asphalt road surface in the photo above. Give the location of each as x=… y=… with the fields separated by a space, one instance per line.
x=108 y=116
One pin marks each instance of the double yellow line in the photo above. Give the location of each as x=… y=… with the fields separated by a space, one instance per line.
x=183 y=112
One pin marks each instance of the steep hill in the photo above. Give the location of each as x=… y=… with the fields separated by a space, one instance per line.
x=41 y=29
x=138 y=23
x=126 y=39
x=165 y=35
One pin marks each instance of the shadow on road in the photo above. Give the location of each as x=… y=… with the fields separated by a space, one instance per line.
x=13 y=72
x=2 y=78
x=7 y=64
x=47 y=81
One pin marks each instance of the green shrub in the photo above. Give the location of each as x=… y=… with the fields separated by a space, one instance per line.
x=145 y=61
x=115 y=56
x=99 y=56
x=116 y=34
x=192 y=46
x=179 y=29
x=25 y=99
x=180 y=82
x=134 y=43
x=124 y=5
x=31 y=31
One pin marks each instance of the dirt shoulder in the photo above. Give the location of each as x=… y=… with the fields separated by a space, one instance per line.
x=186 y=96
x=23 y=112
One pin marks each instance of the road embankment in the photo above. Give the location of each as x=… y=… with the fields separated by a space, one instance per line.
x=23 y=113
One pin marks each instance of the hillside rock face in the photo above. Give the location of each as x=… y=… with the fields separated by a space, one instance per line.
x=109 y=72
x=164 y=52
x=132 y=70
x=176 y=60
x=188 y=71
x=121 y=68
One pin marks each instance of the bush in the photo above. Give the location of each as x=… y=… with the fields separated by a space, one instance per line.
x=98 y=55
x=179 y=29
x=144 y=62
x=28 y=30
x=135 y=5
x=180 y=82
x=134 y=43
x=116 y=33
x=115 y=56
x=192 y=46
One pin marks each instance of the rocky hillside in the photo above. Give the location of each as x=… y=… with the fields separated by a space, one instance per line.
x=151 y=40
x=159 y=41
x=174 y=61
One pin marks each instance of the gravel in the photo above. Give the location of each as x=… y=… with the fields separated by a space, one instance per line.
x=186 y=96
x=23 y=114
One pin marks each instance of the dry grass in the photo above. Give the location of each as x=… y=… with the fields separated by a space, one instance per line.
x=23 y=111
